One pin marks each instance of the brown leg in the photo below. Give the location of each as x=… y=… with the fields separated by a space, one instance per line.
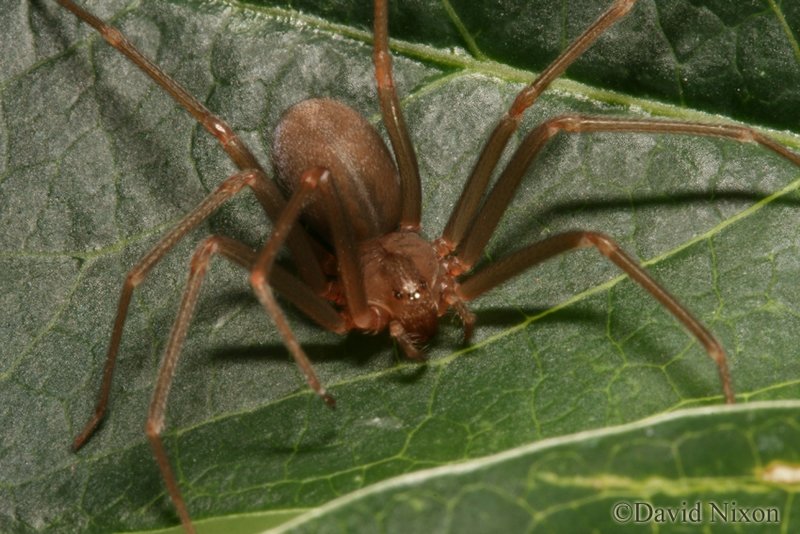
x=510 y=266
x=314 y=181
x=499 y=198
x=464 y=211
x=265 y=190
x=230 y=142
x=244 y=256
x=236 y=252
x=225 y=191
x=260 y=273
x=395 y=125
x=262 y=268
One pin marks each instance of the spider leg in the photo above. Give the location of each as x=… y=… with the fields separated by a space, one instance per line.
x=264 y=189
x=314 y=181
x=224 y=191
x=289 y=286
x=236 y=252
x=395 y=124
x=522 y=260
x=486 y=220
x=464 y=211
x=499 y=198
x=230 y=142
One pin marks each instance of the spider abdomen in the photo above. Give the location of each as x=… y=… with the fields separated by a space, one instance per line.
x=321 y=132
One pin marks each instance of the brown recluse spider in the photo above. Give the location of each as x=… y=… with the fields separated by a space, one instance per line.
x=361 y=262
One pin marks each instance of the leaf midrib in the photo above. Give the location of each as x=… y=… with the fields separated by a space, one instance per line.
x=531 y=448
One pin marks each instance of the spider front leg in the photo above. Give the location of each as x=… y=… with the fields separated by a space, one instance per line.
x=236 y=252
x=294 y=290
x=314 y=181
x=522 y=260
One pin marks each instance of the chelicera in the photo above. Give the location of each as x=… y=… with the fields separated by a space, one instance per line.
x=348 y=209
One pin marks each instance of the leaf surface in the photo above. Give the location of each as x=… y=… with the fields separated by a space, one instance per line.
x=699 y=468
x=97 y=163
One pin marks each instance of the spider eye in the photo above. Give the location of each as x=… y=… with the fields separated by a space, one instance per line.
x=398 y=295
x=423 y=284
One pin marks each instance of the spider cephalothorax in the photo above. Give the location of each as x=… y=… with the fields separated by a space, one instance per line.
x=407 y=287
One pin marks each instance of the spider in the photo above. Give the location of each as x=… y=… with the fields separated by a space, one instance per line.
x=348 y=209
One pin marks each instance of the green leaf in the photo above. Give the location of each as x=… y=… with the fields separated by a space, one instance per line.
x=96 y=163
x=718 y=469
